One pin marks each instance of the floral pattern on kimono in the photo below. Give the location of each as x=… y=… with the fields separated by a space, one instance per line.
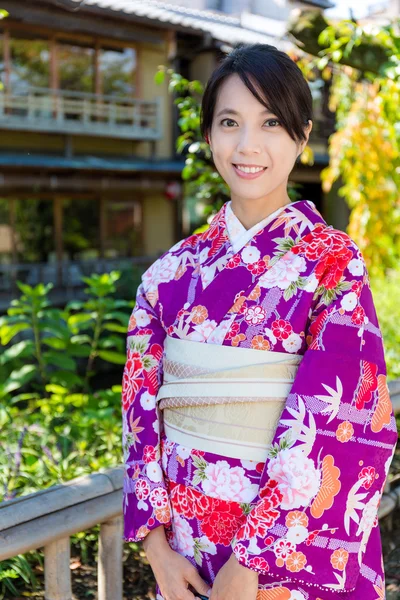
x=306 y=518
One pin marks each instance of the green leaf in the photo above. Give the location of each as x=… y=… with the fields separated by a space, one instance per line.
x=66 y=379
x=19 y=350
x=117 y=316
x=7 y=333
x=117 y=358
x=115 y=327
x=20 y=377
x=56 y=343
x=61 y=360
x=79 y=350
x=79 y=319
x=159 y=77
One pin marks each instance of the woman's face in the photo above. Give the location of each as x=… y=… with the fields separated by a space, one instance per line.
x=244 y=133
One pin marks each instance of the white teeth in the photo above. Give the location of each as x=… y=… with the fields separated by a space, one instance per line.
x=250 y=169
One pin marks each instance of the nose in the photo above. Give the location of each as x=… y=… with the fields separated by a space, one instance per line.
x=249 y=142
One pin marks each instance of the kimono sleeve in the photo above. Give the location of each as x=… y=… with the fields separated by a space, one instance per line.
x=145 y=499
x=314 y=521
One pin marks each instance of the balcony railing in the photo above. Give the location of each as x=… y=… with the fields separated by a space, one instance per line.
x=65 y=276
x=60 y=111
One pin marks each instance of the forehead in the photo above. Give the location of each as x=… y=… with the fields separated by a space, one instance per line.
x=234 y=94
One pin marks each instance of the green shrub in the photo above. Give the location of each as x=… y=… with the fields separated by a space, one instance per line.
x=386 y=296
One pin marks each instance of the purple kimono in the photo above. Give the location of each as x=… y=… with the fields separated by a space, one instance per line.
x=305 y=518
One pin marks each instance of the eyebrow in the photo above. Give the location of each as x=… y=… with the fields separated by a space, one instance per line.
x=231 y=111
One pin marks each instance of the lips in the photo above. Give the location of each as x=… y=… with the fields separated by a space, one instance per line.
x=244 y=175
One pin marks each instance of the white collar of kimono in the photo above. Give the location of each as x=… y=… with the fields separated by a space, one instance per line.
x=238 y=234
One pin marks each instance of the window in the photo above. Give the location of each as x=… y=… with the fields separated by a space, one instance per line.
x=81 y=228
x=5 y=232
x=117 y=71
x=34 y=231
x=124 y=221
x=76 y=68
x=30 y=63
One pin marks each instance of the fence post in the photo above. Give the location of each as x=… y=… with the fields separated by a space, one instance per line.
x=57 y=574
x=109 y=566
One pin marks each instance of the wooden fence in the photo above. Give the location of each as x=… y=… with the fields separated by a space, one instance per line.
x=49 y=517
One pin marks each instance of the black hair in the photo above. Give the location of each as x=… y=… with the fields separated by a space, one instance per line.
x=272 y=77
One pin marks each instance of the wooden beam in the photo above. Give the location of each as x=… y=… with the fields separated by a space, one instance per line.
x=172 y=46
x=54 y=74
x=103 y=226
x=93 y=24
x=138 y=74
x=12 y=214
x=46 y=32
x=58 y=234
x=98 y=80
x=7 y=58
x=109 y=574
x=63 y=523
x=57 y=573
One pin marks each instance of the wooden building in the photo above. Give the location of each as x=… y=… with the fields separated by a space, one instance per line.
x=89 y=176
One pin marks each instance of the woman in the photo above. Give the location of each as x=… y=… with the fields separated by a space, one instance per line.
x=258 y=429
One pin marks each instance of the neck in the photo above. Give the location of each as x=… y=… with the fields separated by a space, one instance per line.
x=250 y=212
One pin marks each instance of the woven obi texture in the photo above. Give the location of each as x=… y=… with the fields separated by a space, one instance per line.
x=224 y=399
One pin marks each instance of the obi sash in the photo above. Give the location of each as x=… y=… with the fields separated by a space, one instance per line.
x=224 y=399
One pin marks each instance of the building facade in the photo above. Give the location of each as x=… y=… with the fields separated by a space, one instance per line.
x=89 y=175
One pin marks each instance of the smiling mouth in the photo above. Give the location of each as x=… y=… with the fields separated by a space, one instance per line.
x=248 y=172
x=252 y=168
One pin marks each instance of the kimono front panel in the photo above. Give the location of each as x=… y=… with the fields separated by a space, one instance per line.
x=305 y=519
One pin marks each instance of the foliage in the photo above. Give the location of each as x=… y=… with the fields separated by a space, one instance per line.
x=203 y=182
x=58 y=342
x=385 y=292
x=13 y=569
x=363 y=63
x=56 y=422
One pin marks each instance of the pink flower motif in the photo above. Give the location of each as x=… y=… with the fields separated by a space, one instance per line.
x=233 y=262
x=241 y=551
x=149 y=454
x=228 y=483
x=184 y=538
x=282 y=548
x=298 y=479
x=358 y=315
x=258 y=267
x=234 y=330
x=281 y=329
x=158 y=497
x=284 y=272
x=254 y=315
x=258 y=563
x=142 y=489
x=369 y=474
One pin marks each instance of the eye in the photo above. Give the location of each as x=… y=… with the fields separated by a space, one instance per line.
x=273 y=120
x=227 y=119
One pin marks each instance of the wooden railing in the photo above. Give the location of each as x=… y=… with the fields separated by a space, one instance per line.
x=65 y=276
x=49 y=517
x=61 y=111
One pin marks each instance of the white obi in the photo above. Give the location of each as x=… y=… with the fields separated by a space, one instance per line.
x=224 y=399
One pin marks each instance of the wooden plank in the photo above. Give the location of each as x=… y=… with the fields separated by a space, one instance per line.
x=53 y=499
x=57 y=573
x=109 y=574
x=99 y=25
x=58 y=217
x=103 y=225
x=7 y=58
x=48 y=528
